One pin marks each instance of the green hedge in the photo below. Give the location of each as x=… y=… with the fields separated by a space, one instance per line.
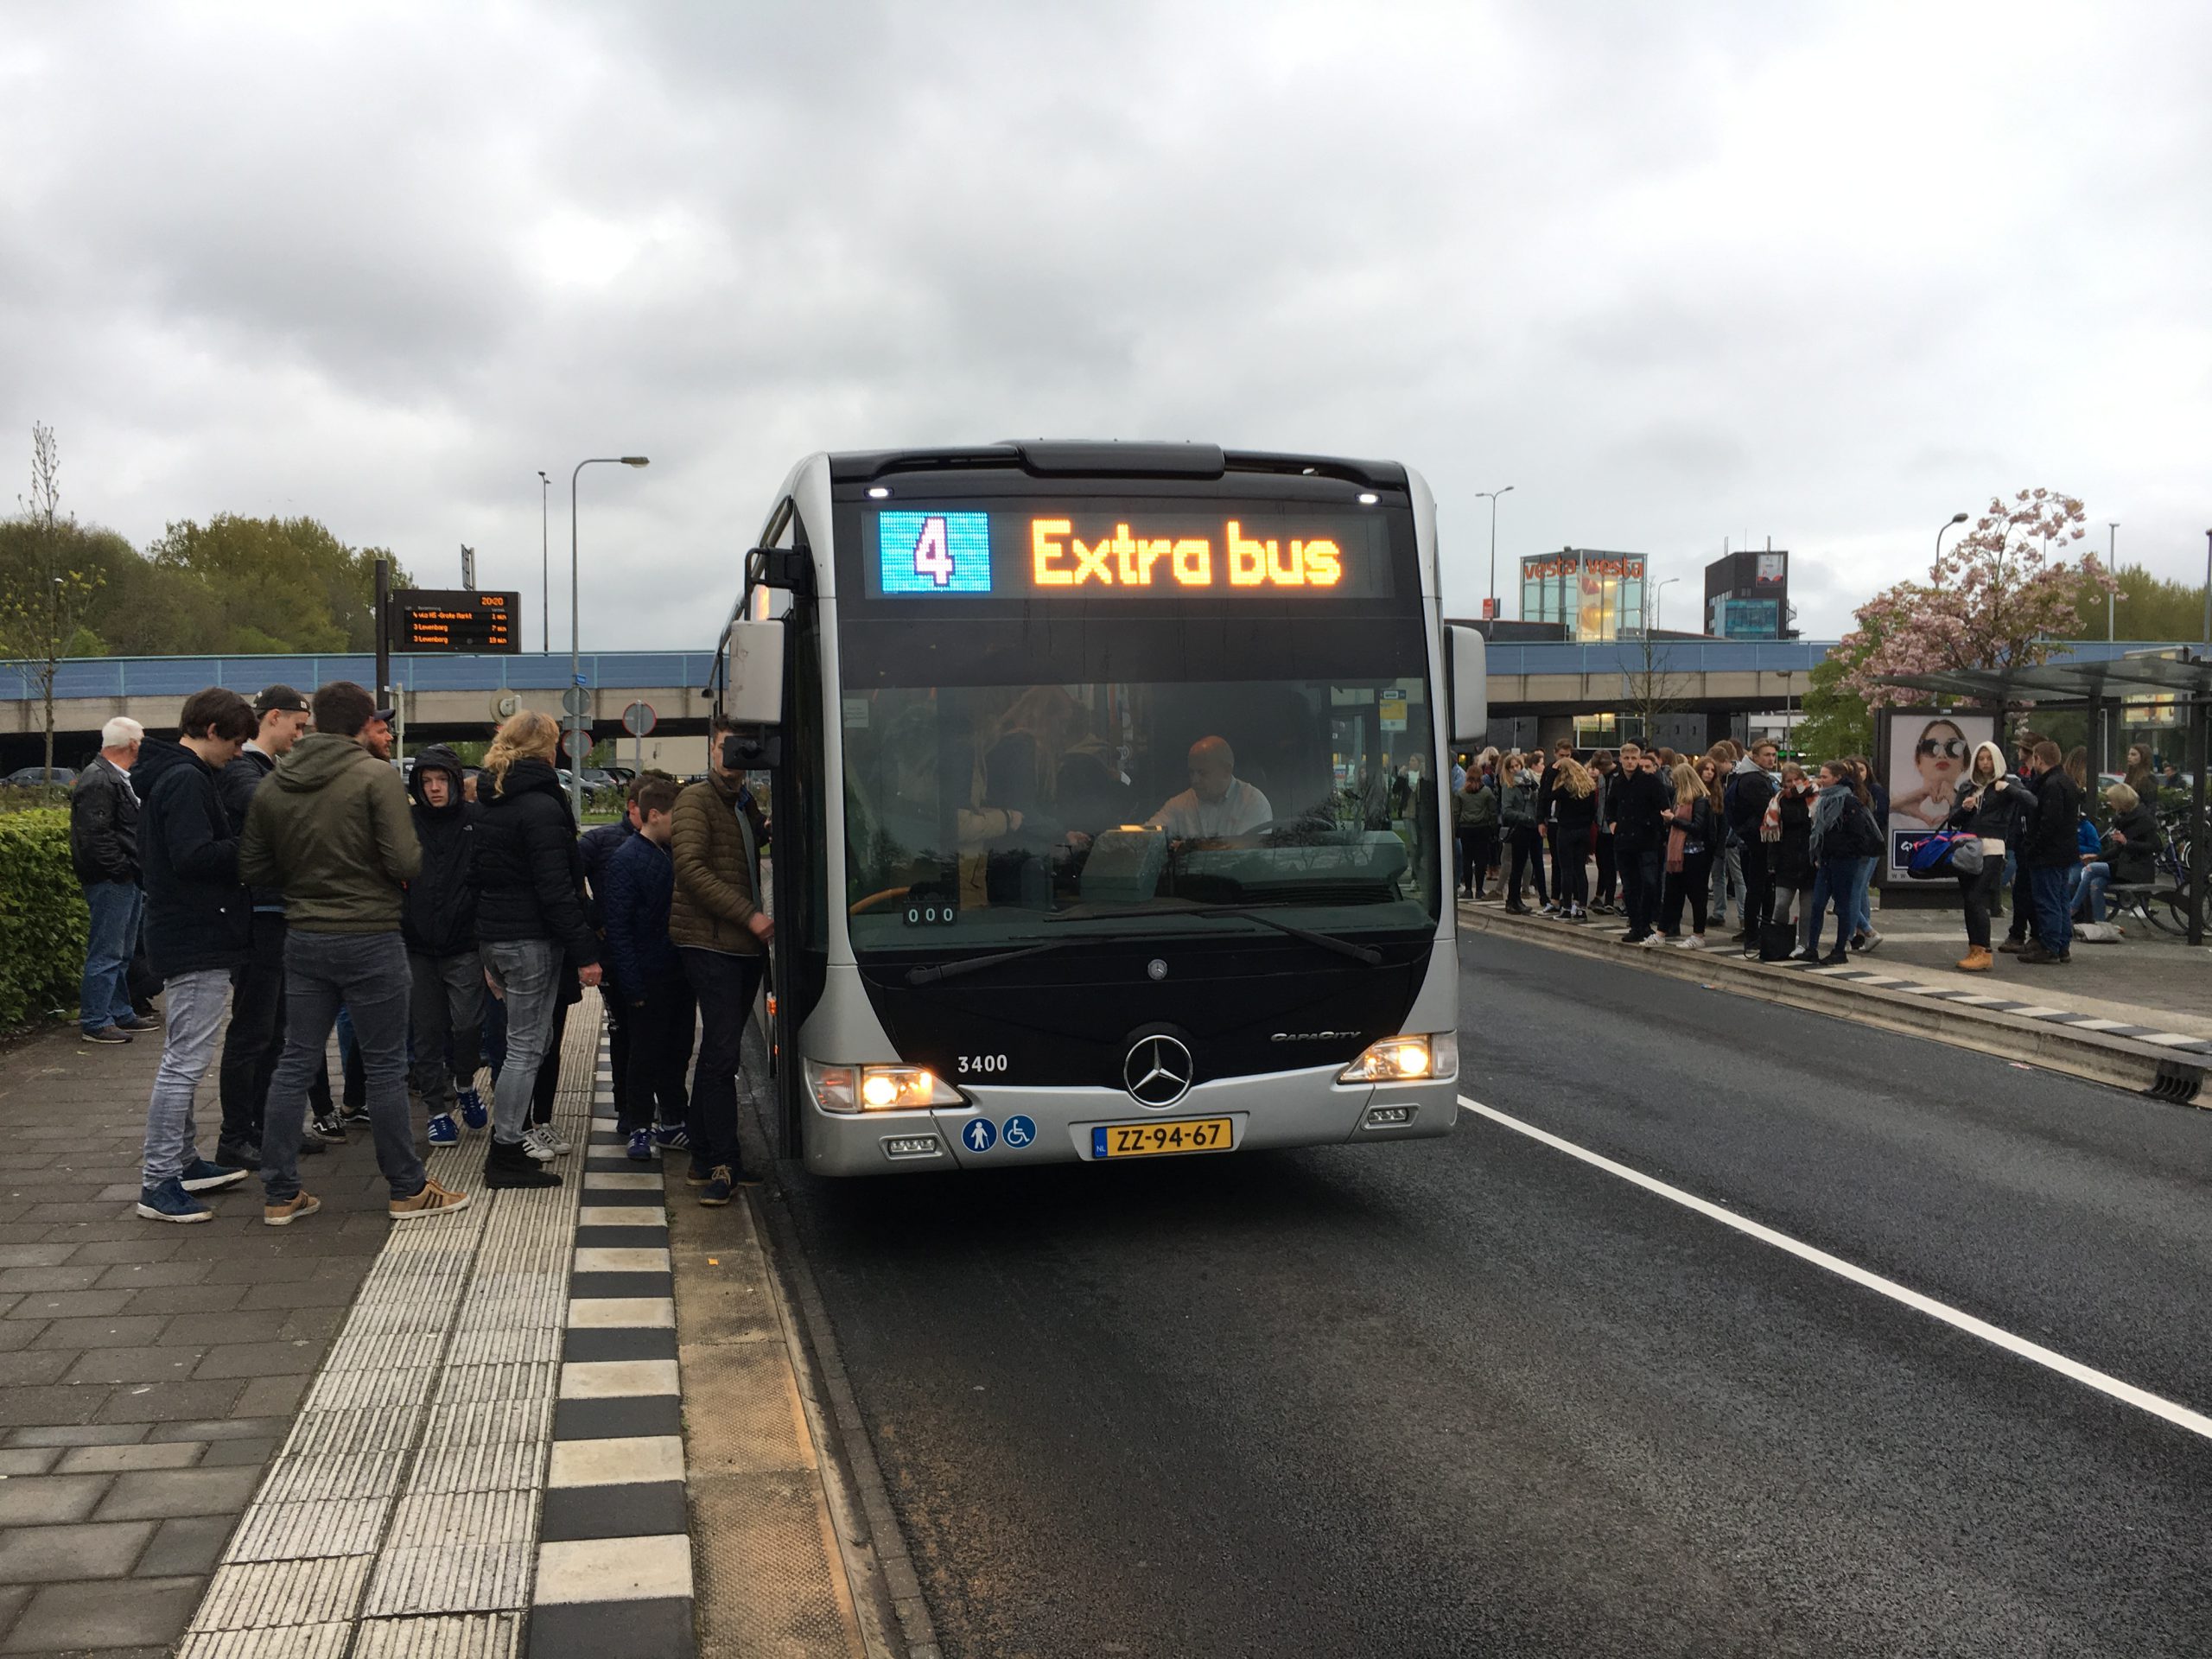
x=42 y=917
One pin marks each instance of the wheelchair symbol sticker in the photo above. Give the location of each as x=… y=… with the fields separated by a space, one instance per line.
x=979 y=1135
x=1019 y=1131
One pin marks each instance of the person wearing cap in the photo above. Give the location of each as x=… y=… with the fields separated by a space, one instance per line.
x=333 y=831
x=256 y=1032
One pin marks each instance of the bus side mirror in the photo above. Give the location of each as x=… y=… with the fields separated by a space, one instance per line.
x=1470 y=673
x=752 y=673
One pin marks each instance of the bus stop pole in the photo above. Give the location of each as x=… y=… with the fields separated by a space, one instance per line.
x=2200 y=727
x=383 y=628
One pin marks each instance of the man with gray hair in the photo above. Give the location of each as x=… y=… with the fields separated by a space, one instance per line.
x=104 y=850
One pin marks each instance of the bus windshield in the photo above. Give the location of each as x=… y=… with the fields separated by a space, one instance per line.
x=976 y=813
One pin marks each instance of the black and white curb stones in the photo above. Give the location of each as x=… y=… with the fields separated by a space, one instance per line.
x=1966 y=996
x=613 y=1574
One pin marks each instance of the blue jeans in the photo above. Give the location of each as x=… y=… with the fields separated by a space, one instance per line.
x=1838 y=880
x=529 y=972
x=193 y=1006
x=116 y=908
x=2054 y=927
x=1866 y=913
x=2089 y=881
x=367 y=974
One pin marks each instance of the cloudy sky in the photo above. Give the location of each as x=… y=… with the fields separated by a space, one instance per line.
x=1677 y=273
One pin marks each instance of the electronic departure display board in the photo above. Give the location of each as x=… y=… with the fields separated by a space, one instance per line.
x=454 y=618
x=1115 y=550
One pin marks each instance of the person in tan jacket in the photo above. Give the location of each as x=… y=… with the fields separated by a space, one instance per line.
x=721 y=932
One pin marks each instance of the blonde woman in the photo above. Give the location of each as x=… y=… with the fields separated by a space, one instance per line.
x=1689 y=859
x=1574 y=836
x=531 y=924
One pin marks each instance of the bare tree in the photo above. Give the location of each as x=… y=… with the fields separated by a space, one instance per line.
x=1649 y=687
x=41 y=609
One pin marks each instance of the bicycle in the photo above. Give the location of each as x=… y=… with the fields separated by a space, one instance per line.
x=2167 y=908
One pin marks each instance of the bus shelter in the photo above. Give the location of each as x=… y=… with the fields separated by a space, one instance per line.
x=2181 y=680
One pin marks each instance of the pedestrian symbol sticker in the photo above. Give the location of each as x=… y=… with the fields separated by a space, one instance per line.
x=979 y=1135
x=1019 y=1131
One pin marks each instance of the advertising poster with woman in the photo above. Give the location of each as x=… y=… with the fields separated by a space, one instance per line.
x=1929 y=754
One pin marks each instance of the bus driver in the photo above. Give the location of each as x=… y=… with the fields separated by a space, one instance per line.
x=1219 y=803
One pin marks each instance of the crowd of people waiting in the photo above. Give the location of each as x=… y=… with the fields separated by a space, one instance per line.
x=1784 y=846
x=270 y=866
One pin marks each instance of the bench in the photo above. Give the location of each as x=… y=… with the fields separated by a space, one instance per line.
x=2131 y=898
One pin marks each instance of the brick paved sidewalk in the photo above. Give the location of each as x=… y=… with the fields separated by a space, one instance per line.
x=147 y=1371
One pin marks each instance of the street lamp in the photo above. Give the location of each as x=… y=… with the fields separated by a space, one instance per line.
x=2111 y=541
x=1658 y=612
x=1956 y=518
x=576 y=658
x=1492 y=495
x=545 y=563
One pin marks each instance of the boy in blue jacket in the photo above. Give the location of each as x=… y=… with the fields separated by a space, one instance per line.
x=645 y=971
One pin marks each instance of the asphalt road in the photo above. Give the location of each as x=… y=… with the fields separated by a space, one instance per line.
x=1476 y=1397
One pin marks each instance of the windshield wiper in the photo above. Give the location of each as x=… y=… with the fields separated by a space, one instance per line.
x=1249 y=912
x=1326 y=941
x=969 y=964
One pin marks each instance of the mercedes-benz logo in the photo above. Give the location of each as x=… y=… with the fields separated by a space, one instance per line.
x=1157 y=1071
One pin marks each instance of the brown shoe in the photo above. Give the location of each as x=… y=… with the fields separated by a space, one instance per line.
x=432 y=1200
x=284 y=1214
x=2014 y=947
x=1978 y=960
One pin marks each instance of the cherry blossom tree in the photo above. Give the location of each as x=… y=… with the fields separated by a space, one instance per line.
x=1995 y=598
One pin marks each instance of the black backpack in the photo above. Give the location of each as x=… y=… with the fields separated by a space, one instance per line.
x=1859 y=834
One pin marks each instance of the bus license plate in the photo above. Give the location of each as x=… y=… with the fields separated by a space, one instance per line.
x=1150 y=1140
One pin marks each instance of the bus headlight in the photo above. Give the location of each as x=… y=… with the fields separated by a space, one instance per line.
x=1405 y=1059
x=879 y=1088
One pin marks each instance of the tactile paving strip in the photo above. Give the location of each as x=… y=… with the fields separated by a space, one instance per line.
x=398 y=1522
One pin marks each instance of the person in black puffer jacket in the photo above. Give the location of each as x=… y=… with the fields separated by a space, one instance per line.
x=532 y=927
x=2131 y=846
x=1992 y=805
x=438 y=920
x=198 y=929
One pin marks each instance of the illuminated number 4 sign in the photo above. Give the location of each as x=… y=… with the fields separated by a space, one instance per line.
x=932 y=557
x=935 y=552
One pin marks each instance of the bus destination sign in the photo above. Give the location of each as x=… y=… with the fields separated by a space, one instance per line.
x=1113 y=552
x=454 y=618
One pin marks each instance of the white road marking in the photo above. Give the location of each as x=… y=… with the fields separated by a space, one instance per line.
x=2142 y=1400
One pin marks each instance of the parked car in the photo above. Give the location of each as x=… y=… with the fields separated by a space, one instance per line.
x=32 y=777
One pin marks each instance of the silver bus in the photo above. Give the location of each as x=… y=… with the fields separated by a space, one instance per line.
x=1110 y=803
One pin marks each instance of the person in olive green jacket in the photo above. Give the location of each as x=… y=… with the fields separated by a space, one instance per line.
x=716 y=924
x=331 y=828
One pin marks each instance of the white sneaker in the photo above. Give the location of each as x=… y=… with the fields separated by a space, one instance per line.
x=535 y=1142
x=1689 y=942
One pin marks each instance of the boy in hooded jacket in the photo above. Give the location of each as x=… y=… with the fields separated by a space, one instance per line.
x=437 y=920
x=636 y=889
x=198 y=924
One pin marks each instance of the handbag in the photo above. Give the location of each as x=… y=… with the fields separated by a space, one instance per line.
x=1943 y=854
x=1777 y=941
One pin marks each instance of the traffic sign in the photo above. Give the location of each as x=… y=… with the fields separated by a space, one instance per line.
x=979 y=1135
x=576 y=700
x=577 y=742
x=505 y=705
x=638 y=719
x=1019 y=1131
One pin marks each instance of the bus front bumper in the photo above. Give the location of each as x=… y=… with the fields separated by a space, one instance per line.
x=1061 y=1126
